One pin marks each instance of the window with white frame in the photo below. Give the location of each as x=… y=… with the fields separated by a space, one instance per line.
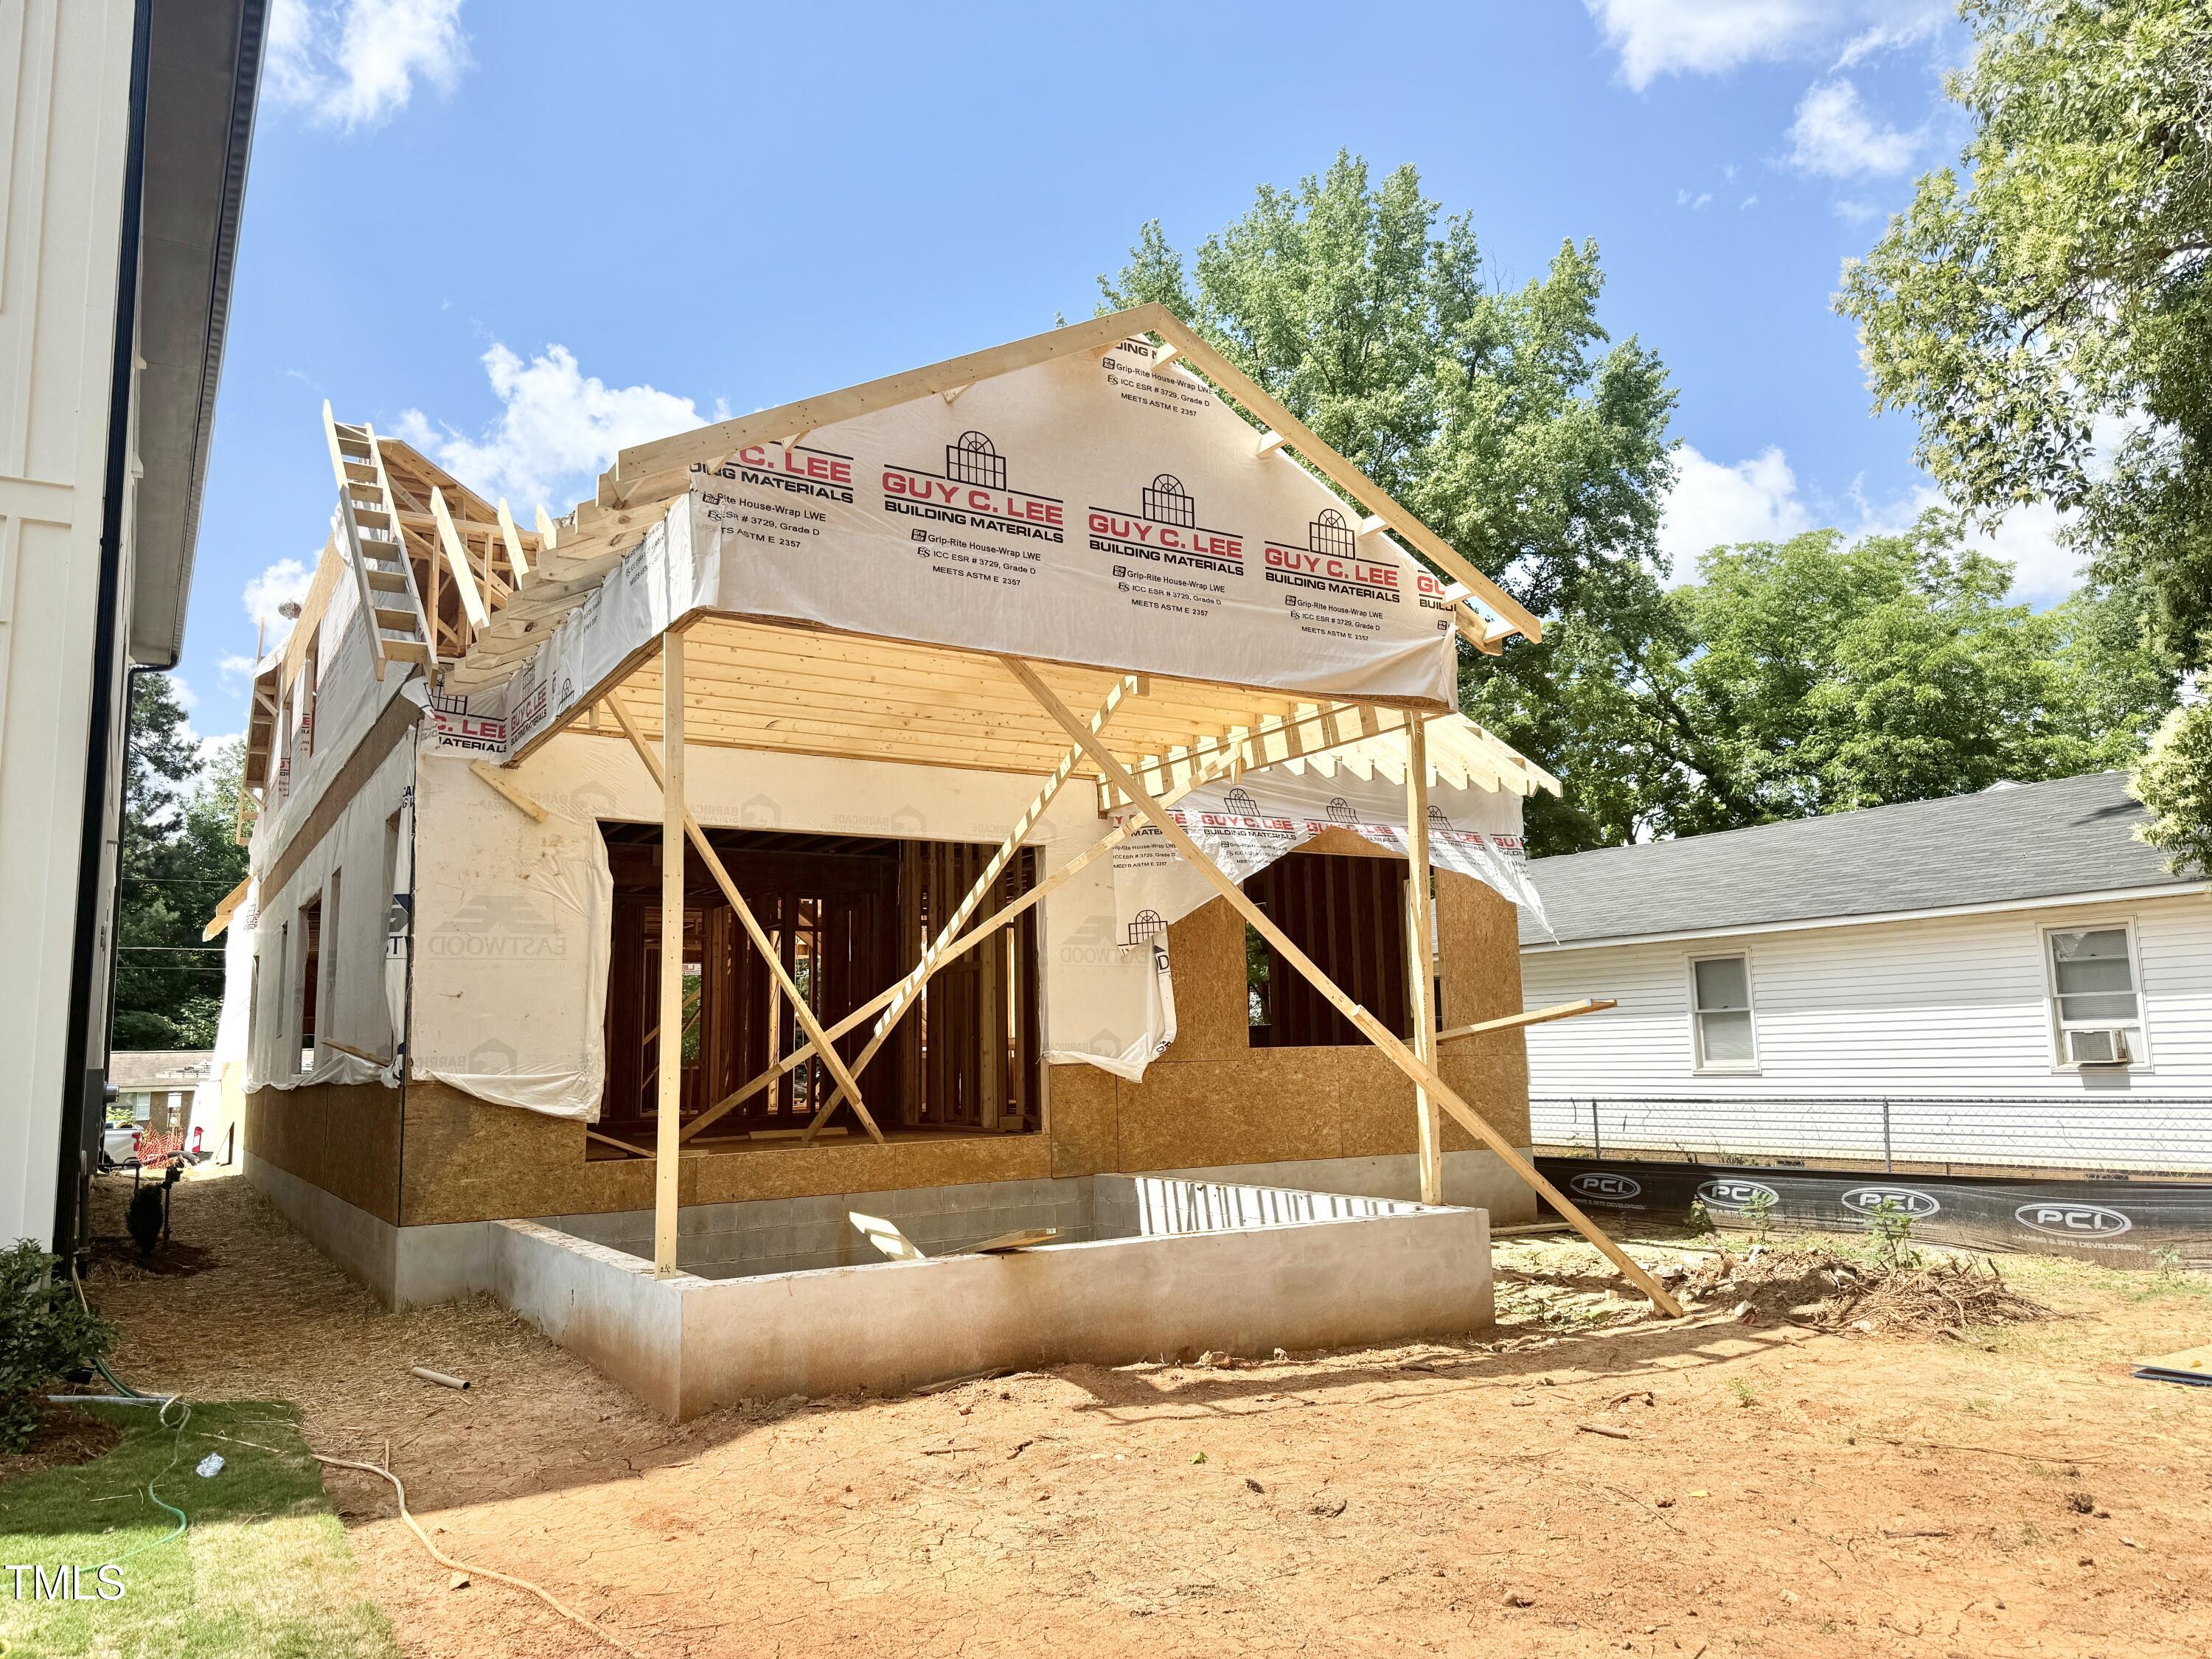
x=2096 y=1003
x=1720 y=1013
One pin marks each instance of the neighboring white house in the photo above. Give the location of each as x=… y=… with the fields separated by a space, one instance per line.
x=125 y=127
x=153 y=1087
x=2001 y=980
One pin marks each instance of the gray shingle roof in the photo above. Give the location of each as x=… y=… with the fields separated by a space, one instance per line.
x=2033 y=841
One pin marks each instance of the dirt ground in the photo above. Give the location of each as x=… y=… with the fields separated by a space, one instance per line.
x=1767 y=1490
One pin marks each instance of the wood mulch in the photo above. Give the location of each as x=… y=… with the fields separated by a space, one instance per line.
x=65 y=1437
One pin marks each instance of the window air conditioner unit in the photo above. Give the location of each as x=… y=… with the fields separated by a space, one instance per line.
x=2105 y=1046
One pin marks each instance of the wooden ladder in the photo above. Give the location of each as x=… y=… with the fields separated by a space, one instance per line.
x=368 y=519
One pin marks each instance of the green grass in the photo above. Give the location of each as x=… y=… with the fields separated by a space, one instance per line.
x=263 y=1572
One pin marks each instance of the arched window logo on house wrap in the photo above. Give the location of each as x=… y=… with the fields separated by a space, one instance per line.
x=1166 y=502
x=2061 y=1220
x=1330 y=563
x=1339 y=811
x=1238 y=803
x=1164 y=530
x=973 y=458
x=973 y=493
x=458 y=728
x=1598 y=1185
x=1916 y=1204
x=1145 y=924
x=1728 y=1194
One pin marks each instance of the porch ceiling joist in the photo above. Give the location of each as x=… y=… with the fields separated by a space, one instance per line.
x=757 y=686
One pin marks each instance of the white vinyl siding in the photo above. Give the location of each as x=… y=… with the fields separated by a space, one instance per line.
x=1955 y=1008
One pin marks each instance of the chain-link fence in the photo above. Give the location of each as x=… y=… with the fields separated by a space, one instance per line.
x=2120 y=1131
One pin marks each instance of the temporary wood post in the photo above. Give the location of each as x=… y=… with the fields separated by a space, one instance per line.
x=1420 y=959
x=667 y=1142
x=1373 y=1029
x=799 y=1007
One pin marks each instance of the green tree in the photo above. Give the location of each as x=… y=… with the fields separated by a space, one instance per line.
x=2063 y=284
x=1508 y=420
x=1816 y=675
x=178 y=857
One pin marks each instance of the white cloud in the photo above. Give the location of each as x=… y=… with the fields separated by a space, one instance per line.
x=1855 y=213
x=1834 y=135
x=1696 y=204
x=283 y=582
x=1760 y=500
x=1910 y=30
x=187 y=699
x=1653 y=38
x=1714 y=505
x=354 y=63
x=1746 y=204
x=210 y=749
x=233 y=669
x=557 y=426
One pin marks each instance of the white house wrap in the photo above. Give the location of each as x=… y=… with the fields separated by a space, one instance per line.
x=1246 y=825
x=1083 y=511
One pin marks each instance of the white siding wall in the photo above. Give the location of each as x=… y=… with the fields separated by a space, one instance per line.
x=65 y=86
x=1941 y=1010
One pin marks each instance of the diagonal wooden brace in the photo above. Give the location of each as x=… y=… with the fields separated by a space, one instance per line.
x=1423 y=1076
x=813 y=1027
x=1226 y=767
x=907 y=992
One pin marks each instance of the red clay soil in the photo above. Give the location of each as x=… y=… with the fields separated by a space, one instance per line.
x=1590 y=1481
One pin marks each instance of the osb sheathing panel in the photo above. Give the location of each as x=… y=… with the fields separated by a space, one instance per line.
x=1479 y=934
x=856 y=1164
x=1211 y=1100
x=1205 y=951
x=1080 y=1111
x=343 y=1138
x=471 y=1161
x=1214 y=1099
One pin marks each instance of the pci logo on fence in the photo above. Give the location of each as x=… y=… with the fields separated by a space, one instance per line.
x=1731 y=1195
x=1595 y=1184
x=1867 y=1200
x=2072 y=1220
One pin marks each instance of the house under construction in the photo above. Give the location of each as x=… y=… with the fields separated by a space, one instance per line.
x=1018 y=802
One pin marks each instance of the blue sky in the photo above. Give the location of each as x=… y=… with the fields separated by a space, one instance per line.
x=526 y=232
